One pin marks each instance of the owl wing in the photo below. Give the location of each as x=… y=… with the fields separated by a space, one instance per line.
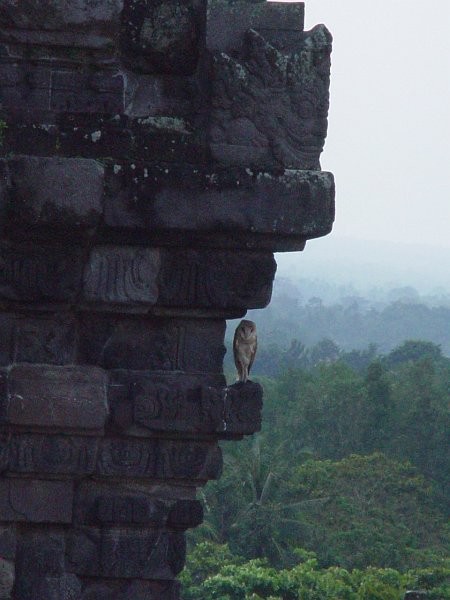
x=252 y=359
x=236 y=349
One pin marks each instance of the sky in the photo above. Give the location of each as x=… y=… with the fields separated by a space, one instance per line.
x=388 y=141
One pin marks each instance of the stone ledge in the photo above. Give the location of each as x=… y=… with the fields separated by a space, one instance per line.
x=159 y=203
x=69 y=398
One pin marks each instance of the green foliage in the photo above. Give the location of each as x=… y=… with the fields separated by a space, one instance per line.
x=256 y=580
x=344 y=494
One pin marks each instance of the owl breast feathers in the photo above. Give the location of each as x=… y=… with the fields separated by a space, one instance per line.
x=244 y=348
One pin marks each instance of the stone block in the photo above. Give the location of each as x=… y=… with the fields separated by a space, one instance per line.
x=7 y=578
x=55 y=15
x=44 y=339
x=8 y=542
x=135 y=590
x=131 y=458
x=185 y=514
x=100 y=92
x=152 y=344
x=35 y=501
x=141 y=403
x=40 y=554
x=64 y=587
x=57 y=397
x=238 y=208
x=25 y=87
x=122 y=275
x=228 y=21
x=243 y=407
x=126 y=554
x=56 y=192
x=189 y=460
x=218 y=279
x=40 y=274
x=146 y=590
x=53 y=454
x=162 y=37
x=103 y=504
x=172 y=406
x=270 y=103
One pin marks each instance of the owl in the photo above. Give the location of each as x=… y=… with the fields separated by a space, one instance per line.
x=244 y=348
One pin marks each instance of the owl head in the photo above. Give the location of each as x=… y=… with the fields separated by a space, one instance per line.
x=247 y=329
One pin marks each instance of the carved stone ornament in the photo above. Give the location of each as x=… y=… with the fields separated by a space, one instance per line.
x=153 y=157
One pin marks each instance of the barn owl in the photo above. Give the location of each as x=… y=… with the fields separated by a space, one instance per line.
x=244 y=348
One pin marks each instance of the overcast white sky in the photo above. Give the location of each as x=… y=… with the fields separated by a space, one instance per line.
x=389 y=131
x=388 y=145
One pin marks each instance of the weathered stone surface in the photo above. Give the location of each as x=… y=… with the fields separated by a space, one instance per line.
x=122 y=275
x=58 y=397
x=53 y=454
x=38 y=274
x=55 y=192
x=186 y=514
x=234 y=207
x=64 y=587
x=152 y=344
x=136 y=590
x=142 y=403
x=162 y=407
x=269 y=106
x=119 y=457
x=55 y=15
x=216 y=279
x=243 y=406
x=42 y=338
x=8 y=542
x=40 y=554
x=36 y=501
x=189 y=460
x=162 y=36
x=240 y=16
x=150 y=554
x=7 y=577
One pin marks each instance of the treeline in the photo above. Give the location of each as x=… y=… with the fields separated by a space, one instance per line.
x=345 y=489
x=353 y=322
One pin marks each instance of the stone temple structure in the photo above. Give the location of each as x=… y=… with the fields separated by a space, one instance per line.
x=154 y=155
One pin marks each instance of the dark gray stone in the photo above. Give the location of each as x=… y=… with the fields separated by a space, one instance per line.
x=7 y=577
x=234 y=207
x=240 y=16
x=8 y=542
x=125 y=554
x=53 y=454
x=40 y=274
x=186 y=514
x=216 y=279
x=65 y=587
x=189 y=460
x=36 y=501
x=162 y=36
x=119 y=457
x=243 y=407
x=152 y=344
x=56 y=192
x=269 y=107
x=122 y=275
x=57 y=397
x=44 y=339
x=40 y=554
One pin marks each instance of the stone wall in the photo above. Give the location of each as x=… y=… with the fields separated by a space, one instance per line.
x=153 y=157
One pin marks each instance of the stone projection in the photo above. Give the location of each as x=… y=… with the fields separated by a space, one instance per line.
x=154 y=155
